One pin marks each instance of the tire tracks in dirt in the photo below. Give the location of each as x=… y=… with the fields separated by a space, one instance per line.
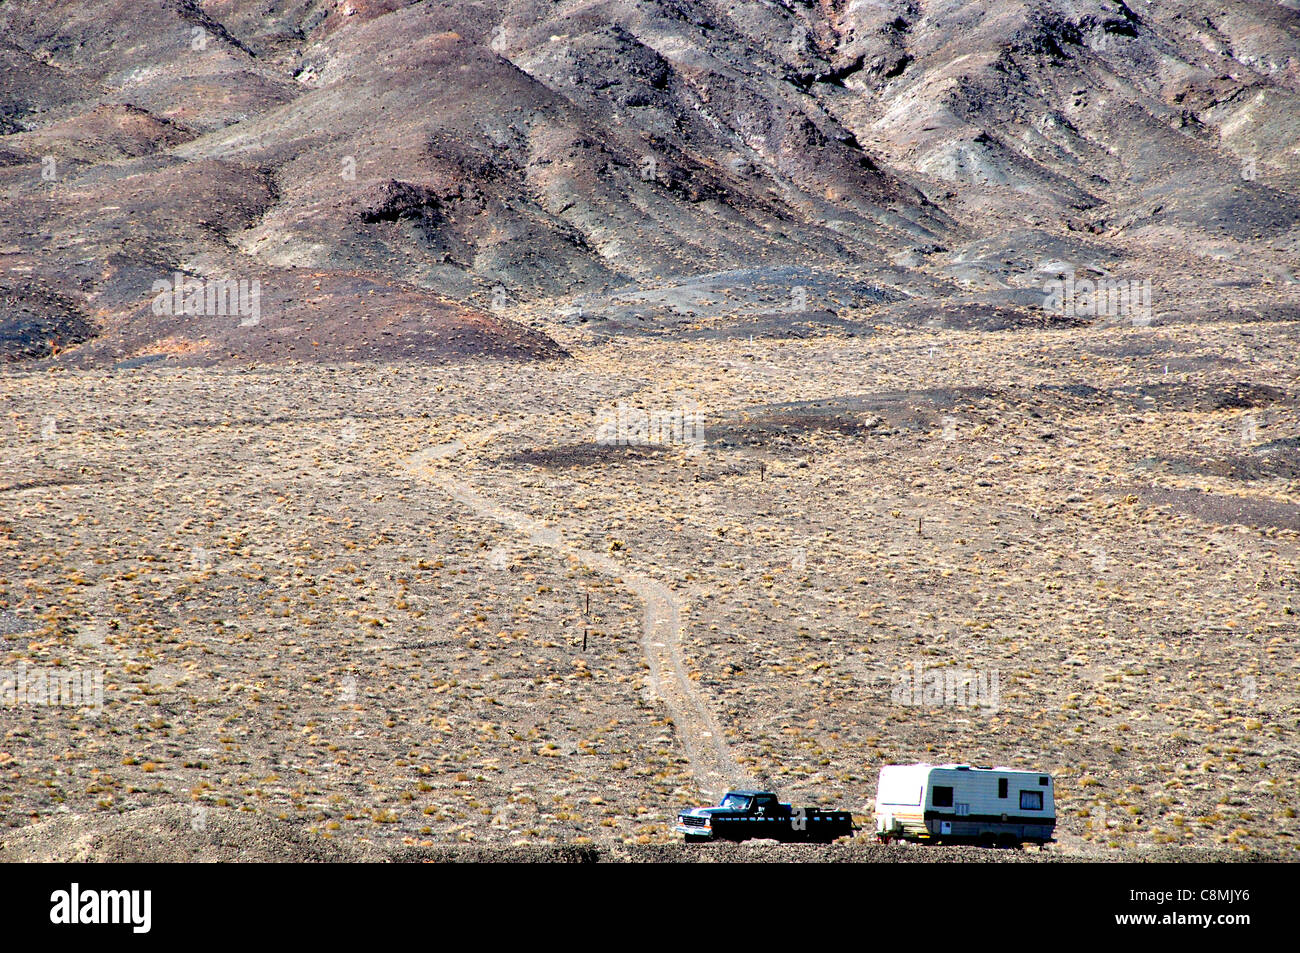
x=711 y=762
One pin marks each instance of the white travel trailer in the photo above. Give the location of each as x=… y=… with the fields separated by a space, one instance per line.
x=959 y=802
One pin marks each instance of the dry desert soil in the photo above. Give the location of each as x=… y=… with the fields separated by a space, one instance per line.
x=356 y=597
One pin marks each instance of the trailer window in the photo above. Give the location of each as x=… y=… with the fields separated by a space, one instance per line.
x=1002 y=787
x=942 y=796
x=1031 y=800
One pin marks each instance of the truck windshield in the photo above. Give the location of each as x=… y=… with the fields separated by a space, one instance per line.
x=735 y=802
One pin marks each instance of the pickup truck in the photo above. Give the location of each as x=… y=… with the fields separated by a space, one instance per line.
x=743 y=815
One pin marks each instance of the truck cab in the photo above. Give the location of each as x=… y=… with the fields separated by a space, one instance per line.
x=762 y=803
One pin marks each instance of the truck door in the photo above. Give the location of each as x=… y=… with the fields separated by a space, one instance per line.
x=765 y=814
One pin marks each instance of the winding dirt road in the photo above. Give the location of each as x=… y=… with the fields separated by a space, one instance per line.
x=711 y=761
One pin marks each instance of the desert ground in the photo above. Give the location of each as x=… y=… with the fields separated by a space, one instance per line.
x=355 y=597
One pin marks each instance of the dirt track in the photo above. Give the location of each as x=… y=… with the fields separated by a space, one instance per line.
x=711 y=762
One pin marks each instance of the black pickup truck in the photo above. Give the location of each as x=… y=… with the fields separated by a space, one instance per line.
x=743 y=815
